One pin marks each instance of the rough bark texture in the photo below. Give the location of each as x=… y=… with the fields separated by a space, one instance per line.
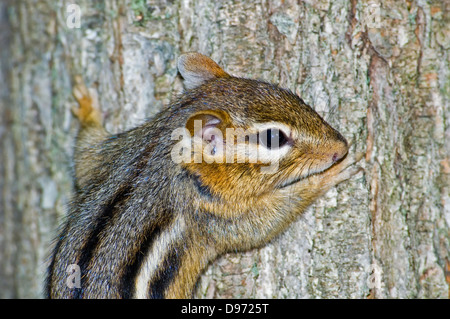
x=377 y=71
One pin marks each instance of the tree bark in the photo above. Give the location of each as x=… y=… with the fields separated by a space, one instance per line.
x=378 y=71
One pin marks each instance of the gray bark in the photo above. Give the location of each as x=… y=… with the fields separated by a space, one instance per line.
x=377 y=71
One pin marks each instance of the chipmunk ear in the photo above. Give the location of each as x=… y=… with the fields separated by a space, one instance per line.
x=209 y=125
x=197 y=68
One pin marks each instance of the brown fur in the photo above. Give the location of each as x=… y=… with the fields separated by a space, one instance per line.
x=129 y=191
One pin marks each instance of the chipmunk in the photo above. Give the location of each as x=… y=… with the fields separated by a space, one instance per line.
x=145 y=221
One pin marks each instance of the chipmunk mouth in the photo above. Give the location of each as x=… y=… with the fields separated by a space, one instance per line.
x=290 y=182
x=294 y=180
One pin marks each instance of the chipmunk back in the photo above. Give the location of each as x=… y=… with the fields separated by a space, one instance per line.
x=226 y=167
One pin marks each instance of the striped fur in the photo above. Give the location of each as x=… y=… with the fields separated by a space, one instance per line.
x=143 y=226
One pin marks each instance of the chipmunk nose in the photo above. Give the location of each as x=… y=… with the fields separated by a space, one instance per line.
x=335 y=157
x=340 y=150
x=336 y=146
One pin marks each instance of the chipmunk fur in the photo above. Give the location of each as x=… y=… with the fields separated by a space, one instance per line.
x=142 y=225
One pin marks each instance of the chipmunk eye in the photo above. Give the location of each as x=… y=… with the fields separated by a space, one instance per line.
x=272 y=138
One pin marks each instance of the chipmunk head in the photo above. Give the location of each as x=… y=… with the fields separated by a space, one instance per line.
x=249 y=137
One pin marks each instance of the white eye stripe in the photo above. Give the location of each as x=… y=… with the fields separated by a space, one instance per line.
x=259 y=152
x=235 y=146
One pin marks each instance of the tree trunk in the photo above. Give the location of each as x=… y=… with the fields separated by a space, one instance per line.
x=377 y=71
